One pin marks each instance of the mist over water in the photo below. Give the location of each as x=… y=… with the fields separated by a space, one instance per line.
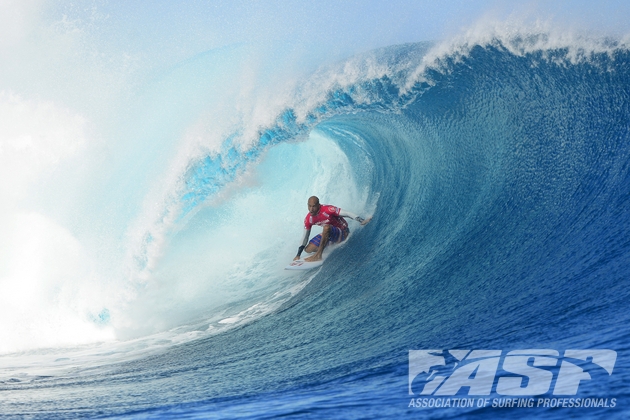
x=153 y=186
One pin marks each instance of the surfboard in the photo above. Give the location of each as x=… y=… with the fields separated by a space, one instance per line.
x=303 y=265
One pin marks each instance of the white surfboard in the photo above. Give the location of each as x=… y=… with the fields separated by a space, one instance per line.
x=303 y=265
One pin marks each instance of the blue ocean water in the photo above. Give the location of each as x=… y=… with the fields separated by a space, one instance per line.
x=497 y=175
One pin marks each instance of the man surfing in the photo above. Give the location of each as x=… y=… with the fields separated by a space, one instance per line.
x=336 y=229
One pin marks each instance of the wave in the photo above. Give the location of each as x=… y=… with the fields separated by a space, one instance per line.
x=496 y=171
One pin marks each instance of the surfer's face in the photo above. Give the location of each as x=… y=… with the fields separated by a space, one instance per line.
x=313 y=207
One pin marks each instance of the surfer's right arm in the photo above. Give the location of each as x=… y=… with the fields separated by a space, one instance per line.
x=307 y=234
x=346 y=213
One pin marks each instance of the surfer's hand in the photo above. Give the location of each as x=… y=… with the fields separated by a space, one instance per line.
x=366 y=221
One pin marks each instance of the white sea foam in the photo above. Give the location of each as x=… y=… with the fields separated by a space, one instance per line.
x=519 y=36
x=49 y=292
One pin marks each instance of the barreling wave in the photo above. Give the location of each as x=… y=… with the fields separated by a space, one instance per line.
x=386 y=81
x=496 y=171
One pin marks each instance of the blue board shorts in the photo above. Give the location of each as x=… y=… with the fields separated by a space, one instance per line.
x=336 y=236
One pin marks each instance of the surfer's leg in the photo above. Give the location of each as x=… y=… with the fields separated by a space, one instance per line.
x=325 y=239
x=322 y=244
x=310 y=248
x=337 y=235
x=313 y=244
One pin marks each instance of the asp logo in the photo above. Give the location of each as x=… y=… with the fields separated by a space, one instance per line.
x=525 y=372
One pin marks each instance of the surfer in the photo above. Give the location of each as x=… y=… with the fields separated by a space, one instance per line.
x=331 y=218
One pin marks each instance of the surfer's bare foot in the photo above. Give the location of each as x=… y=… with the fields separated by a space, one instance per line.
x=313 y=258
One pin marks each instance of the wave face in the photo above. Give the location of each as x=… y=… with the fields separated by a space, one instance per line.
x=497 y=177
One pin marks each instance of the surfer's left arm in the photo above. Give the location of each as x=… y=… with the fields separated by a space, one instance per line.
x=345 y=213
x=307 y=234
